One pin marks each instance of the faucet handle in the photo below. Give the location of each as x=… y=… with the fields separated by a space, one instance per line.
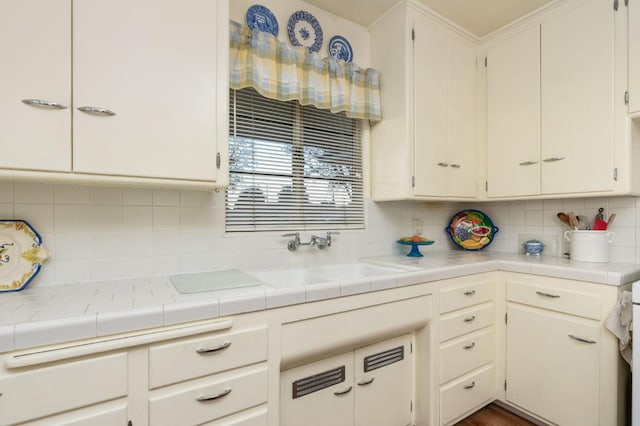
x=292 y=234
x=329 y=233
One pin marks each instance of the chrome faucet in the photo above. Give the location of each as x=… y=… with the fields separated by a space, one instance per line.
x=320 y=242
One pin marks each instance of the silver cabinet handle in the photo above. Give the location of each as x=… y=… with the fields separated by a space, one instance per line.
x=206 y=398
x=471 y=386
x=365 y=382
x=220 y=347
x=469 y=293
x=552 y=159
x=470 y=319
x=542 y=293
x=582 y=339
x=528 y=163
x=471 y=346
x=443 y=165
x=455 y=166
x=343 y=392
x=43 y=103
x=96 y=110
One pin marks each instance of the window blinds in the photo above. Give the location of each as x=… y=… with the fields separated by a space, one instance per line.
x=292 y=167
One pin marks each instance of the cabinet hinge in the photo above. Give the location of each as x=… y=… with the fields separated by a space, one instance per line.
x=218 y=160
x=505 y=317
x=129 y=423
x=486 y=186
x=615 y=4
x=615 y=174
x=411 y=406
x=485 y=61
x=413 y=181
x=410 y=347
x=413 y=34
x=626 y=97
x=505 y=385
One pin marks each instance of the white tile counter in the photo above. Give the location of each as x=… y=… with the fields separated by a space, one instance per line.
x=46 y=315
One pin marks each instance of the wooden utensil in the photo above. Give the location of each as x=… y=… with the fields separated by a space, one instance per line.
x=564 y=219
x=611 y=218
x=573 y=220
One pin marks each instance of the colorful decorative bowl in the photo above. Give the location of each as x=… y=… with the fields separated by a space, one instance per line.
x=471 y=230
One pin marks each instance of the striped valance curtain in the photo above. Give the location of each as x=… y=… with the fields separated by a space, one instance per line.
x=283 y=72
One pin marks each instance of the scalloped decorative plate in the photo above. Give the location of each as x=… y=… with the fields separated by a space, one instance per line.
x=340 y=48
x=304 y=30
x=21 y=254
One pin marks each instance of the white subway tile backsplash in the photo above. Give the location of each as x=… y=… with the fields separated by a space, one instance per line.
x=72 y=194
x=40 y=216
x=137 y=197
x=163 y=197
x=106 y=196
x=106 y=218
x=33 y=193
x=166 y=217
x=72 y=218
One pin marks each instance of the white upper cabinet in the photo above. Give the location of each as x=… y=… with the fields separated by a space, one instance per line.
x=634 y=57
x=35 y=87
x=149 y=84
x=513 y=115
x=425 y=147
x=577 y=70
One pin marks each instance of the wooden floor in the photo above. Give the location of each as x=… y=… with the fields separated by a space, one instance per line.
x=493 y=415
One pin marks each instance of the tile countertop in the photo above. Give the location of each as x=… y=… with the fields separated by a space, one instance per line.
x=54 y=314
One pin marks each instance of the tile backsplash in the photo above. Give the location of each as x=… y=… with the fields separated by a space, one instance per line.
x=105 y=233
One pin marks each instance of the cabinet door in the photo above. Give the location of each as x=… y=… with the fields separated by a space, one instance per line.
x=634 y=57
x=430 y=68
x=577 y=99
x=318 y=394
x=35 y=48
x=513 y=115
x=550 y=371
x=462 y=131
x=384 y=383
x=154 y=64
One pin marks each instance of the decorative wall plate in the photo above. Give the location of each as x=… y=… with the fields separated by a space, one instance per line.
x=260 y=18
x=471 y=229
x=21 y=254
x=304 y=30
x=340 y=48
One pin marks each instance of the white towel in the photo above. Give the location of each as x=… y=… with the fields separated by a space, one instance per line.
x=620 y=323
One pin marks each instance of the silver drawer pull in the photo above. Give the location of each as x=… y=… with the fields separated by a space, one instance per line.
x=542 y=293
x=469 y=293
x=43 y=103
x=528 y=163
x=553 y=159
x=206 y=398
x=206 y=350
x=470 y=319
x=455 y=166
x=471 y=386
x=471 y=346
x=582 y=339
x=343 y=392
x=365 y=382
x=443 y=165
x=96 y=110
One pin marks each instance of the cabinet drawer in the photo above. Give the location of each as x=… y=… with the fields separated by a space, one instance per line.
x=461 y=296
x=466 y=393
x=44 y=391
x=203 y=356
x=465 y=354
x=208 y=399
x=461 y=322
x=560 y=300
x=253 y=417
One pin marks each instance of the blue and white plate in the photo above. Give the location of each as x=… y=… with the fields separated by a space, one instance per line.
x=262 y=19
x=304 y=30
x=340 y=48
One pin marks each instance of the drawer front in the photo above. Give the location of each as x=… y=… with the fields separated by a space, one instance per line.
x=462 y=322
x=462 y=296
x=107 y=414
x=253 y=417
x=208 y=399
x=44 y=391
x=466 y=393
x=203 y=356
x=581 y=304
x=462 y=355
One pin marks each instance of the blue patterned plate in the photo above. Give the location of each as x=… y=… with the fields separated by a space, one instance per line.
x=304 y=30
x=340 y=48
x=262 y=19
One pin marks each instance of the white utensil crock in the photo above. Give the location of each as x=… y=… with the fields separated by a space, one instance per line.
x=589 y=246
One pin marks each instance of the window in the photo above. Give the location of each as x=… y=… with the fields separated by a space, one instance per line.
x=292 y=167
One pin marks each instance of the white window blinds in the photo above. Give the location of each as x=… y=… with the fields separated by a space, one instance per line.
x=292 y=167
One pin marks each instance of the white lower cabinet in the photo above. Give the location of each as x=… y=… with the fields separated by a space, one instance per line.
x=370 y=386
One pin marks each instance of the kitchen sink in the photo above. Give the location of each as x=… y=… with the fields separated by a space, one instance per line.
x=357 y=270
x=286 y=278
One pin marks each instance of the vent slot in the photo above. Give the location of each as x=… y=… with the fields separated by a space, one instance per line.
x=318 y=382
x=382 y=359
